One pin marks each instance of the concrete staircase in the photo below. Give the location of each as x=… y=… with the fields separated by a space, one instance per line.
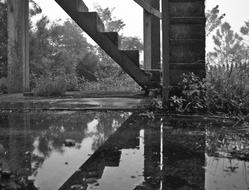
x=108 y=41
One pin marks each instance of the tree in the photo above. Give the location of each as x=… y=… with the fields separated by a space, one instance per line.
x=111 y=23
x=131 y=43
x=228 y=48
x=214 y=19
x=61 y=49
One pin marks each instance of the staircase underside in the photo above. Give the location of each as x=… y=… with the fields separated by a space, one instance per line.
x=186 y=41
x=108 y=41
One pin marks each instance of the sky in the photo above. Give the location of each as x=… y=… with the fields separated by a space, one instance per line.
x=132 y=15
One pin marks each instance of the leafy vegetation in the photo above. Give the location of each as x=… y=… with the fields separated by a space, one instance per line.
x=62 y=59
x=50 y=86
x=62 y=50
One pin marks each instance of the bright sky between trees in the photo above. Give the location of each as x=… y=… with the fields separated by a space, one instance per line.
x=127 y=10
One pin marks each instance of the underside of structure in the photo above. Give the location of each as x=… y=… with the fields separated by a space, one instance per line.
x=183 y=51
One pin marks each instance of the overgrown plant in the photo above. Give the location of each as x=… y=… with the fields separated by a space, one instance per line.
x=192 y=96
x=50 y=86
x=228 y=88
x=225 y=90
x=111 y=84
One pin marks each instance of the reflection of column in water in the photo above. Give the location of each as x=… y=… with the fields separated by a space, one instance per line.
x=161 y=152
x=20 y=143
x=4 y=140
x=184 y=156
x=152 y=154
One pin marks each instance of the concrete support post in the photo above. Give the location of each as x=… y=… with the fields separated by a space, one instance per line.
x=18 y=46
x=152 y=38
x=165 y=51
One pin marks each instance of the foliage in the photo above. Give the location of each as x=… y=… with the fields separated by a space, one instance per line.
x=108 y=70
x=192 y=97
x=34 y=8
x=3 y=85
x=227 y=72
x=111 y=23
x=228 y=88
x=228 y=46
x=57 y=49
x=225 y=90
x=50 y=86
x=87 y=67
x=122 y=83
x=214 y=19
x=72 y=83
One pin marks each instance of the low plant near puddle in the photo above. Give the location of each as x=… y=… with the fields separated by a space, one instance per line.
x=212 y=95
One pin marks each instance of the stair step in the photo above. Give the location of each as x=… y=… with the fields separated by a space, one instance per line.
x=94 y=27
x=81 y=6
x=73 y=5
x=133 y=55
x=187 y=20
x=155 y=74
x=90 y=22
x=113 y=36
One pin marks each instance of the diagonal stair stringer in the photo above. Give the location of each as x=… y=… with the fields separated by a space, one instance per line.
x=108 y=41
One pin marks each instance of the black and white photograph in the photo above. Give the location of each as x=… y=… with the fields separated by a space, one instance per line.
x=124 y=95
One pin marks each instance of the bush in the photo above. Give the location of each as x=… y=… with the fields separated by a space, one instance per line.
x=71 y=82
x=3 y=86
x=192 y=97
x=225 y=90
x=50 y=86
x=228 y=88
x=121 y=83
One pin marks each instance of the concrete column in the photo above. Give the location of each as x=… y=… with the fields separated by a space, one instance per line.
x=18 y=46
x=151 y=38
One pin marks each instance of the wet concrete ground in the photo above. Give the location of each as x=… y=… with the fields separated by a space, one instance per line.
x=122 y=150
x=75 y=101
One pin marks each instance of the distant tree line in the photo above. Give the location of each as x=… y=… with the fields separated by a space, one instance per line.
x=62 y=49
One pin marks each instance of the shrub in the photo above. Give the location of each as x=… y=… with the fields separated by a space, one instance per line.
x=50 y=86
x=192 y=97
x=3 y=85
x=71 y=82
x=225 y=90
x=121 y=83
x=228 y=88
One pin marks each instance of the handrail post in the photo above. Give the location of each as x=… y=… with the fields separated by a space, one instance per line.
x=165 y=51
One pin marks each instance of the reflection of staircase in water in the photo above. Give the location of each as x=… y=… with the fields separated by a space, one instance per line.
x=181 y=165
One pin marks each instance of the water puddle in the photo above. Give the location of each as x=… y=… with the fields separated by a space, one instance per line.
x=120 y=150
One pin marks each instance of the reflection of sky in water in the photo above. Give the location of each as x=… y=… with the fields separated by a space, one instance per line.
x=128 y=174
x=227 y=174
x=51 y=163
x=54 y=172
x=147 y=148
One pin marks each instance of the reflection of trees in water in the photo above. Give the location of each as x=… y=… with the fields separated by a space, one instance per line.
x=107 y=123
x=226 y=152
x=223 y=142
x=45 y=132
x=74 y=126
